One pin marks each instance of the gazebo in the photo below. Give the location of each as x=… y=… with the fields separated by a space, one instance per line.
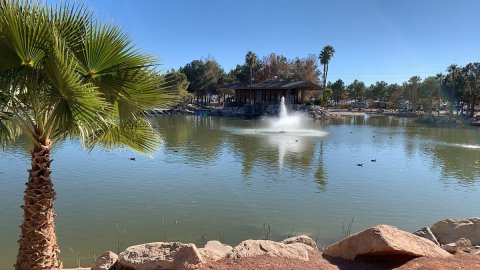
x=263 y=94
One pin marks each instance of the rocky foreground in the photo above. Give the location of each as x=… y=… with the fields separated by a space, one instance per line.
x=447 y=244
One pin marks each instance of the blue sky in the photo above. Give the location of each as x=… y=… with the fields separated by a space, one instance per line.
x=374 y=40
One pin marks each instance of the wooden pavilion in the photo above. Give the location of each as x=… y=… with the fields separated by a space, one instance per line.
x=263 y=94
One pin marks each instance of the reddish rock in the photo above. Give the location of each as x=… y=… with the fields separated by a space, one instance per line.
x=450 y=230
x=160 y=255
x=301 y=239
x=426 y=233
x=384 y=240
x=214 y=250
x=106 y=261
x=251 y=248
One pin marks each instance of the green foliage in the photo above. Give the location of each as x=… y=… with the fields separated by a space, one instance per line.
x=205 y=76
x=241 y=73
x=178 y=83
x=322 y=98
x=357 y=90
x=278 y=68
x=64 y=73
x=347 y=230
x=338 y=88
x=378 y=91
x=325 y=56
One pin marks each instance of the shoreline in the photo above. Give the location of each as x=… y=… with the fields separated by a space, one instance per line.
x=321 y=113
x=447 y=244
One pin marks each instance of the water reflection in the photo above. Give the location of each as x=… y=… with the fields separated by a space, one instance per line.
x=455 y=151
x=320 y=176
x=275 y=153
x=210 y=175
x=199 y=138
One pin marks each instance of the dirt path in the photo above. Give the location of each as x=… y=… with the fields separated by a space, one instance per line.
x=317 y=261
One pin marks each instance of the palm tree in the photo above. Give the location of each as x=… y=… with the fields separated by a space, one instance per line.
x=251 y=61
x=453 y=72
x=471 y=76
x=325 y=56
x=65 y=74
x=412 y=87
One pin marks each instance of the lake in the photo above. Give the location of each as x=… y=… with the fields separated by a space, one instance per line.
x=218 y=178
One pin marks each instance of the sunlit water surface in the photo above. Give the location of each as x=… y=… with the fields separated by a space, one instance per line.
x=228 y=179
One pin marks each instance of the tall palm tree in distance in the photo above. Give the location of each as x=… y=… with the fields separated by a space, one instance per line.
x=325 y=56
x=65 y=74
x=251 y=61
x=453 y=72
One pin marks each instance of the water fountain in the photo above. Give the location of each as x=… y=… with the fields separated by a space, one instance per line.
x=286 y=124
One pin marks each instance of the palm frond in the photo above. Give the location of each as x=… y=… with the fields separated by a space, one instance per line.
x=135 y=91
x=9 y=131
x=107 y=50
x=64 y=73
x=73 y=103
x=137 y=134
x=26 y=27
x=71 y=23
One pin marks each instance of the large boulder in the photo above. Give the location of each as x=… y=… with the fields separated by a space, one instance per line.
x=426 y=233
x=250 y=248
x=106 y=261
x=450 y=230
x=384 y=240
x=160 y=255
x=214 y=250
x=302 y=239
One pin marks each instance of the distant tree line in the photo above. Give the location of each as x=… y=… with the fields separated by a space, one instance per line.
x=202 y=79
x=459 y=87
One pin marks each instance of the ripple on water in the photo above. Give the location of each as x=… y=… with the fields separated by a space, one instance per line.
x=288 y=132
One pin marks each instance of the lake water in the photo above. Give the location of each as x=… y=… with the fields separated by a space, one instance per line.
x=217 y=178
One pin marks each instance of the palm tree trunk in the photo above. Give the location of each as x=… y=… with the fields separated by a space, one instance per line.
x=38 y=249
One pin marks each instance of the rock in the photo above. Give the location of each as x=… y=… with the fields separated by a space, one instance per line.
x=452 y=247
x=250 y=248
x=106 y=261
x=302 y=239
x=464 y=245
x=160 y=255
x=426 y=233
x=383 y=240
x=214 y=250
x=450 y=230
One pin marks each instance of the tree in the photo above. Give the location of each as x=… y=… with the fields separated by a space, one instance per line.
x=452 y=83
x=395 y=94
x=411 y=91
x=304 y=69
x=378 y=92
x=357 y=90
x=205 y=77
x=325 y=56
x=178 y=82
x=65 y=74
x=251 y=62
x=429 y=91
x=338 y=88
x=471 y=74
x=241 y=73
x=273 y=68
